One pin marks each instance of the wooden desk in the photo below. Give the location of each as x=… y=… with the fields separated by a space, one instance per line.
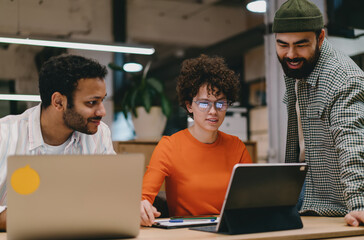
x=144 y=147
x=314 y=228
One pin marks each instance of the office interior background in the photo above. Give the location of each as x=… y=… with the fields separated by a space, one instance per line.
x=177 y=29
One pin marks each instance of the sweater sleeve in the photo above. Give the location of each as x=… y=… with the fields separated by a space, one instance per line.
x=158 y=169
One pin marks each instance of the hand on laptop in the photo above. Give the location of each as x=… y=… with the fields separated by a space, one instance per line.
x=355 y=218
x=148 y=213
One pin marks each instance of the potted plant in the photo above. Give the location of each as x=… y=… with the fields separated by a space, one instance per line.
x=148 y=104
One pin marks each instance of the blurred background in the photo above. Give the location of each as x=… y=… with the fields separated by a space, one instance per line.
x=176 y=30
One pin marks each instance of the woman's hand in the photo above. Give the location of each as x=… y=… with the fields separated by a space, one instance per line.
x=148 y=213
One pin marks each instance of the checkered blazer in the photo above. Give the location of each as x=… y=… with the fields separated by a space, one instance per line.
x=331 y=102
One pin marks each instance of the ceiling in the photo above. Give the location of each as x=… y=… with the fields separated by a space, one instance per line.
x=179 y=29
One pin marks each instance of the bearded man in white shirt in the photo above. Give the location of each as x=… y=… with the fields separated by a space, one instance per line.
x=68 y=120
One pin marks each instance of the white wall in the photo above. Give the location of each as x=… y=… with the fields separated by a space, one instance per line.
x=254 y=65
x=277 y=113
x=254 y=69
x=348 y=46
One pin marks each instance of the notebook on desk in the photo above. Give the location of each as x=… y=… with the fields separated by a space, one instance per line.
x=261 y=198
x=74 y=196
x=183 y=222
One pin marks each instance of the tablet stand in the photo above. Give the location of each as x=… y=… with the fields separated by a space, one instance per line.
x=253 y=220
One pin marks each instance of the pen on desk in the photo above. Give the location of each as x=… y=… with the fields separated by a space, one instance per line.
x=194 y=218
x=176 y=220
x=180 y=220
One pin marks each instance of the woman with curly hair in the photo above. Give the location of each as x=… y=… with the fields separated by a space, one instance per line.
x=196 y=163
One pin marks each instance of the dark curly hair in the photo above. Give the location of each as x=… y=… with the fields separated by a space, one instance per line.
x=212 y=71
x=61 y=74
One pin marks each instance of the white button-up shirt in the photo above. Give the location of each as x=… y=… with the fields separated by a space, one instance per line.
x=21 y=135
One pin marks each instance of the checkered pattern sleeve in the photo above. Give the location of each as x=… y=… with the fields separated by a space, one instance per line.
x=347 y=127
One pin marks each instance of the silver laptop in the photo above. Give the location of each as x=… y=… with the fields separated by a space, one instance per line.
x=74 y=196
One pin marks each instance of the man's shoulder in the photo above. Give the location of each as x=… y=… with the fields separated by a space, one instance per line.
x=100 y=142
x=104 y=130
x=104 y=126
x=15 y=119
x=340 y=64
x=336 y=70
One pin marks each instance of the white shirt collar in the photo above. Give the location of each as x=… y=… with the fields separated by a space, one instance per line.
x=35 y=132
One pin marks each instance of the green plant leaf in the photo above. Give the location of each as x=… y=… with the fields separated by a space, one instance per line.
x=126 y=111
x=143 y=91
x=156 y=84
x=133 y=99
x=147 y=100
x=166 y=106
x=146 y=69
x=124 y=104
x=115 y=67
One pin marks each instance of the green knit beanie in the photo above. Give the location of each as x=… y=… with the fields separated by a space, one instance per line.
x=297 y=16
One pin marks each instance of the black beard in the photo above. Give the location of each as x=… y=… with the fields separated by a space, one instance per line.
x=77 y=122
x=307 y=66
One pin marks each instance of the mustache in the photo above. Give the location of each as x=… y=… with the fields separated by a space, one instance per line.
x=293 y=60
x=95 y=118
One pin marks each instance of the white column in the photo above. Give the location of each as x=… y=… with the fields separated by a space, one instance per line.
x=277 y=113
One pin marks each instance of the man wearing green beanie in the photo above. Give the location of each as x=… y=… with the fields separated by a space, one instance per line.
x=325 y=104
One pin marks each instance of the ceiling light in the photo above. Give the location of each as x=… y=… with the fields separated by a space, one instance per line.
x=78 y=45
x=132 y=67
x=20 y=97
x=259 y=6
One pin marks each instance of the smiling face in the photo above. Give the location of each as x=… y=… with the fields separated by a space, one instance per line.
x=88 y=109
x=298 y=52
x=210 y=120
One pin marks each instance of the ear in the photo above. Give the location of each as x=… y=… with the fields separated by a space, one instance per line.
x=188 y=106
x=59 y=101
x=321 y=38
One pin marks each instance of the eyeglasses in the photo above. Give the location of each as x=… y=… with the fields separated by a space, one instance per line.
x=205 y=106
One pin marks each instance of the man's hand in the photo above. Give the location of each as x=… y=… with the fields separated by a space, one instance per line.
x=355 y=218
x=148 y=213
x=3 y=221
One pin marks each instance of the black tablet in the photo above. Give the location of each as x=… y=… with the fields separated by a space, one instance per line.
x=260 y=198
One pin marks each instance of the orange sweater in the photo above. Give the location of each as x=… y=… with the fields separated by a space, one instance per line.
x=196 y=174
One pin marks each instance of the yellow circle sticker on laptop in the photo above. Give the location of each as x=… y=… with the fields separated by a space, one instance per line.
x=25 y=180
